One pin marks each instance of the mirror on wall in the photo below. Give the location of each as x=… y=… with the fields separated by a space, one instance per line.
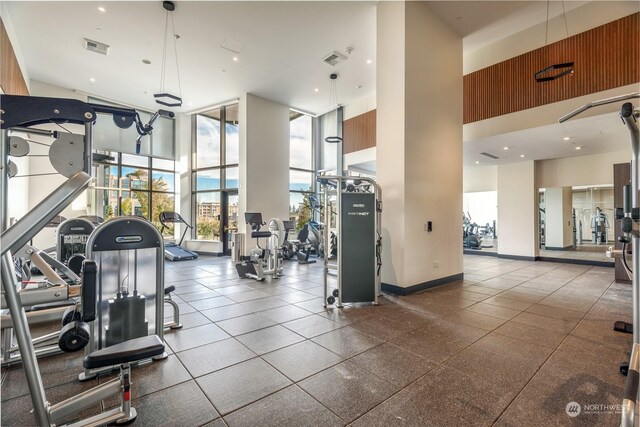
x=576 y=222
x=480 y=221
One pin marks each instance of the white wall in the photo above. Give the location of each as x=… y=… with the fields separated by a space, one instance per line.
x=481 y=206
x=517 y=209
x=360 y=106
x=558 y=225
x=264 y=160
x=595 y=169
x=479 y=178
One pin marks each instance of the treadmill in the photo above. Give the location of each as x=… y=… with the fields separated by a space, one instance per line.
x=173 y=251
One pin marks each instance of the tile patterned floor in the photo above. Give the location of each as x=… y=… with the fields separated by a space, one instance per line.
x=510 y=345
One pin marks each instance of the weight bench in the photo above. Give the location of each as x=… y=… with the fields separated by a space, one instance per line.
x=122 y=354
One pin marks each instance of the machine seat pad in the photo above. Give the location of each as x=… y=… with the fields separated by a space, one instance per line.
x=260 y=234
x=39 y=307
x=169 y=289
x=128 y=351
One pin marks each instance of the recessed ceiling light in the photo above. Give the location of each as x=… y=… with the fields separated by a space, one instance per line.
x=567 y=138
x=235 y=58
x=578 y=148
x=146 y=61
x=477 y=162
x=92 y=80
x=521 y=155
x=505 y=148
x=102 y=9
x=368 y=61
x=316 y=90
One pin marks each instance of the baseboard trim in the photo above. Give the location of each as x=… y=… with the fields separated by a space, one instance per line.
x=216 y=254
x=517 y=257
x=557 y=248
x=399 y=290
x=480 y=253
x=576 y=261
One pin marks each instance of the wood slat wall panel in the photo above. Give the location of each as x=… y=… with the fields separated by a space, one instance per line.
x=11 y=79
x=605 y=57
x=359 y=132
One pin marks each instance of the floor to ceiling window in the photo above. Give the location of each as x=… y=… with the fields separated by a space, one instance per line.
x=301 y=167
x=215 y=172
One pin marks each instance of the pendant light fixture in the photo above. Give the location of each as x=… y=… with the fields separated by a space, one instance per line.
x=333 y=104
x=561 y=69
x=163 y=97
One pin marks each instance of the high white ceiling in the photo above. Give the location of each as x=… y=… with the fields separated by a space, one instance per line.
x=284 y=43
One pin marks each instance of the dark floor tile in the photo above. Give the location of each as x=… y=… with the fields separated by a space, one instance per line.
x=189 y=338
x=428 y=345
x=239 y=385
x=18 y=412
x=465 y=334
x=558 y=313
x=264 y=304
x=347 y=341
x=211 y=357
x=477 y=320
x=287 y=408
x=442 y=397
x=180 y=405
x=348 y=390
x=393 y=364
x=508 y=303
x=531 y=334
x=190 y=320
x=544 y=322
x=494 y=311
x=208 y=303
x=345 y=315
x=227 y=312
x=311 y=326
x=244 y=324
x=302 y=360
x=285 y=313
x=269 y=339
x=382 y=328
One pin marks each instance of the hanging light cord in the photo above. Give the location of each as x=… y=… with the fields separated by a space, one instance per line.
x=164 y=51
x=546 y=27
x=564 y=14
x=175 y=50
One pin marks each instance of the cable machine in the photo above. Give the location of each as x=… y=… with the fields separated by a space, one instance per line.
x=630 y=219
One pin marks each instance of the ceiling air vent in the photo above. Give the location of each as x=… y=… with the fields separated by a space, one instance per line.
x=491 y=156
x=95 y=46
x=333 y=58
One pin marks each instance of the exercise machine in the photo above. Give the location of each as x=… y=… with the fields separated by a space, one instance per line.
x=266 y=261
x=302 y=246
x=470 y=236
x=173 y=251
x=358 y=213
x=629 y=222
x=71 y=156
x=599 y=227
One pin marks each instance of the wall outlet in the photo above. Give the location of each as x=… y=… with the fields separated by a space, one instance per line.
x=436 y=263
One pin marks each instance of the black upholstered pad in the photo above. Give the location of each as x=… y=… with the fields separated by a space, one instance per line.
x=128 y=351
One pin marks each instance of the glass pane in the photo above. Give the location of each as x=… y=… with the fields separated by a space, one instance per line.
x=106 y=175
x=231 y=178
x=161 y=202
x=207 y=142
x=106 y=135
x=299 y=180
x=140 y=203
x=163 y=181
x=329 y=127
x=233 y=135
x=208 y=216
x=101 y=156
x=162 y=138
x=107 y=203
x=300 y=137
x=130 y=159
x=134 y=178
x=128 y=203
x=232 y=213
x=207 y=180
x=299 y=211
x=169 y=165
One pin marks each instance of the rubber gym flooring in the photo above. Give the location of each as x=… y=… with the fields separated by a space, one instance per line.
x=511 y=345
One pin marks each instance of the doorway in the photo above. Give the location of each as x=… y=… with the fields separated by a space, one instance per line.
x=229 y=220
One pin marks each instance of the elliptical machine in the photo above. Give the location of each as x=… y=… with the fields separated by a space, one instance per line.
x=262 y=262
x=470 y=237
